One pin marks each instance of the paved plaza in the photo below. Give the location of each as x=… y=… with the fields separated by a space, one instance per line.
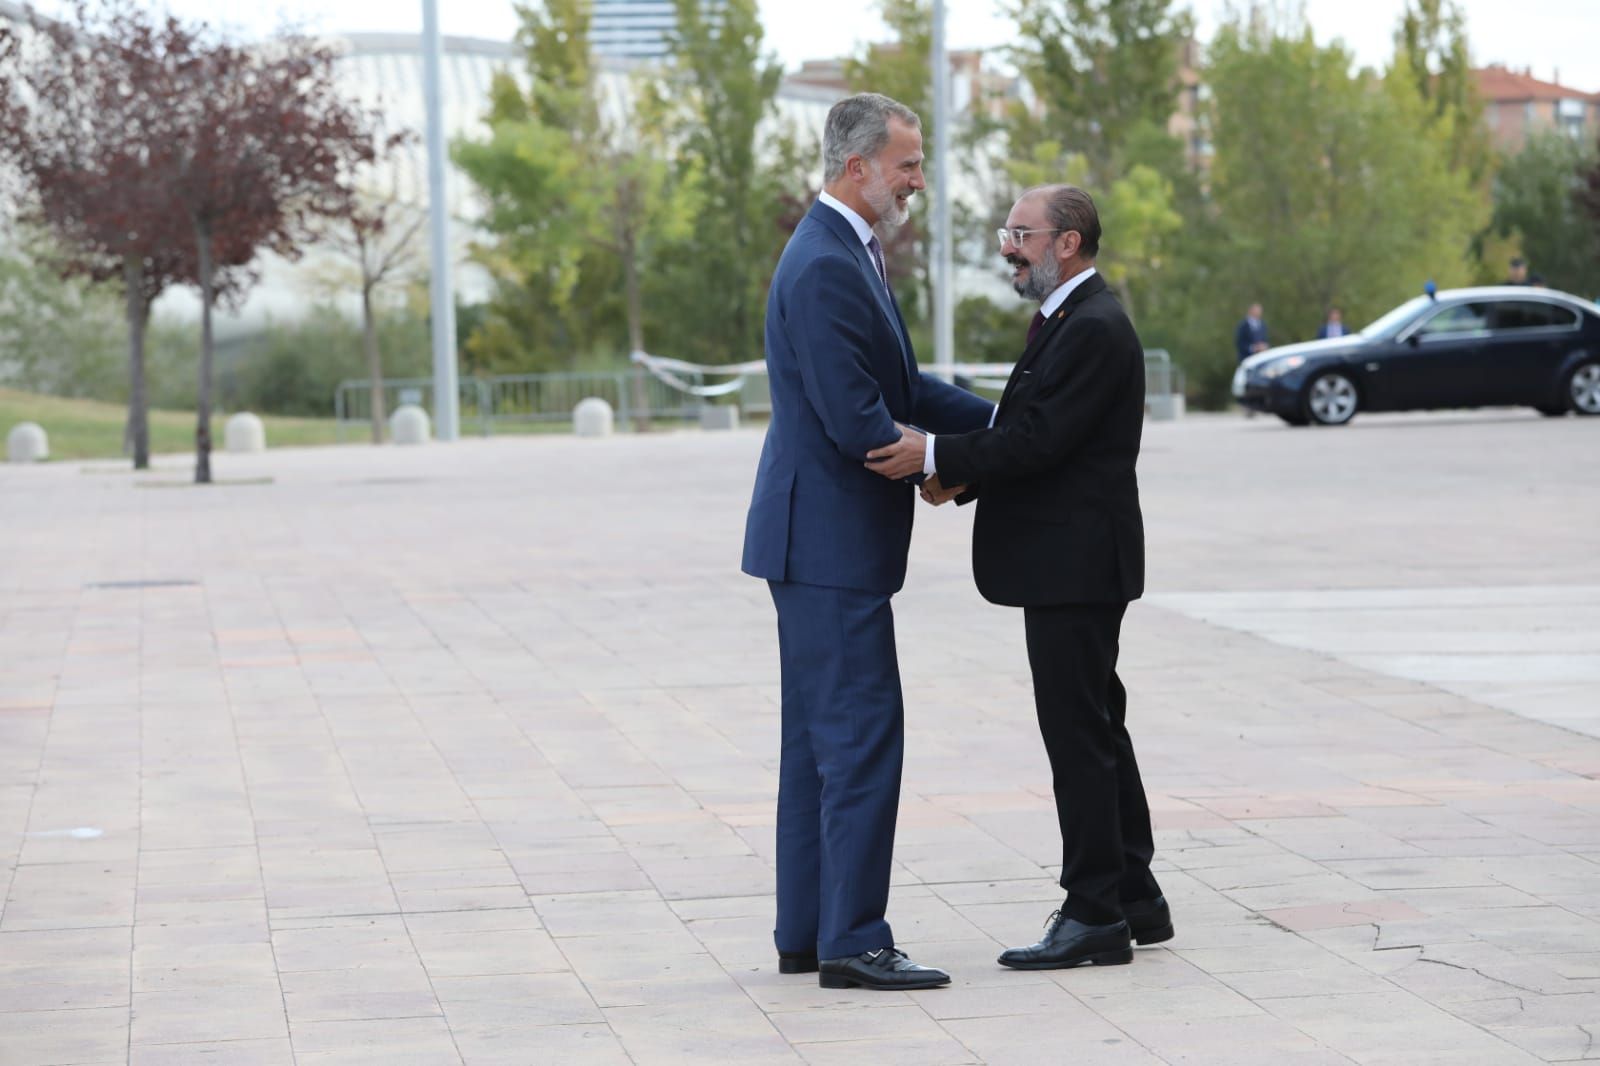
x=468 y=753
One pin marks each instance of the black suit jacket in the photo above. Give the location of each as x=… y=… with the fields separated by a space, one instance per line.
x=1058 y=517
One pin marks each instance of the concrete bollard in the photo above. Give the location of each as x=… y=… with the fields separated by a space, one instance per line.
x=593 y=418
x=719 y=416
x=409 y=425
x=244 y=434
x=27 y=443
x=1164 y=407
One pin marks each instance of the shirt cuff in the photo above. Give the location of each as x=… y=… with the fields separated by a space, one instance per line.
x=927 y=459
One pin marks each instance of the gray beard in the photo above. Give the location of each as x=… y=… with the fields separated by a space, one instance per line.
x=1043 y=279
x=881 y=199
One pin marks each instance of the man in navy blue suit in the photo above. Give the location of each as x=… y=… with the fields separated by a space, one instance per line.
x=830 y=537
x=1251 y=335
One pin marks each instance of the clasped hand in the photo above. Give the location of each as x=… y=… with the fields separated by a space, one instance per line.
x=904 y=458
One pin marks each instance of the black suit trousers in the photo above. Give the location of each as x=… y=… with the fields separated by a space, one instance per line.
x=1106 y=843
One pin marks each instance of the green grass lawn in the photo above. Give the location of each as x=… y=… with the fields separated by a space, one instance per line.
x=89 y=429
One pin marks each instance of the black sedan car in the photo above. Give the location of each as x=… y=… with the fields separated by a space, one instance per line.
x=1484 y=347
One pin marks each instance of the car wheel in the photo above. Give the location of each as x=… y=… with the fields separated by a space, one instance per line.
x=1331 y=399
x=1583 y=388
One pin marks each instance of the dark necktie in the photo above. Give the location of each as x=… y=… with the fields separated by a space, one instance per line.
x=1035 y=326
x=876 y=248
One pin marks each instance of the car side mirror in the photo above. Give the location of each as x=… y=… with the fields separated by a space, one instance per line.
x=1414 y=340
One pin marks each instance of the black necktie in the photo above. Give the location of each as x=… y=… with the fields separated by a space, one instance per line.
x=1035 y=326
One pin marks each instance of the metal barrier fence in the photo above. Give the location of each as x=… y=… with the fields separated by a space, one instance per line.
x=505 y=401
x=509 y=400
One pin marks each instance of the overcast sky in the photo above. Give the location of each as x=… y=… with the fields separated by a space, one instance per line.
x=1549 y=36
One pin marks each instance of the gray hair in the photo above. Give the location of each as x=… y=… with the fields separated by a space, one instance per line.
x=859 y=125
x=1070 y=208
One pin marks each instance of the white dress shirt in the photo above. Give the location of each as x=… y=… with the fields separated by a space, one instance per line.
x=1051 y=305
x=857 y=223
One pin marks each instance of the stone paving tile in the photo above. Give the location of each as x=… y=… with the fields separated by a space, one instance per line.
x=277 y=1052
x=362 y=797
x=238 y=1010
x=91 y=1035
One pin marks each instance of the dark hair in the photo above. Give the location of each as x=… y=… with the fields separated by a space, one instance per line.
x=1518 y=261
x=1070 y=208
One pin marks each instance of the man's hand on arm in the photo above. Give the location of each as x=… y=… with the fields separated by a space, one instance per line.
x=935 y=493
x=903 y=458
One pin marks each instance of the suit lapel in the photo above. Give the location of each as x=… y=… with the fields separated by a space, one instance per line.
x=840 y=227
x=1051 y=327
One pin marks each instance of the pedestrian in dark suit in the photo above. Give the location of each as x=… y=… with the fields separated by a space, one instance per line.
x=1332 y=326
x=1251 y=335
x=831 y=539
x=1059 y=533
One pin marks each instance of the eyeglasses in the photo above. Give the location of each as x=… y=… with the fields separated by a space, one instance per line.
x=1017 y=234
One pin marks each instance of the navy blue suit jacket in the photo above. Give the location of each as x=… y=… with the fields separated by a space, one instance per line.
x=1247 y=334
x=842 y=372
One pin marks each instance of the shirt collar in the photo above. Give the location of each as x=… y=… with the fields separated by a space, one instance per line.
x=857 y=223
x=1053 y=302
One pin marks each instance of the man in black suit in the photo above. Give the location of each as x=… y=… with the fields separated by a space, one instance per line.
x=1059 y=533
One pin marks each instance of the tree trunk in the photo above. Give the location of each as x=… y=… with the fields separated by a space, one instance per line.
x=138 y=319
x=369 y=340
x=202 y=430
x=635 y=300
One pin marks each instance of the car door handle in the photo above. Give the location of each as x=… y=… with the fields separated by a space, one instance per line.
x=1373 y=366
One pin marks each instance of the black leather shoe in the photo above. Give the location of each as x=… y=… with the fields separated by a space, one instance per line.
x=797 y=962
x=1149 y=920
x=886 y=969
x=1068 y=942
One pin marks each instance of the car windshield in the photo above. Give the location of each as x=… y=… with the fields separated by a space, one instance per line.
x=1397 y=319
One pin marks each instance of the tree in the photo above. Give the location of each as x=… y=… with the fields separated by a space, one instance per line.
x=76 y=100
x=1431 y=50
x=1105 y=73
x=725 y=83
x=902 y=70
x=1539 y=202
x=1105 y=77
x=58 y=335
x=579 y=199
x=1329 y=187
x=1589 y=198
x=378 y=236
x=254 y=146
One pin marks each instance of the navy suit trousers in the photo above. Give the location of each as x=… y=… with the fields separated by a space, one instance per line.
x=839 y=776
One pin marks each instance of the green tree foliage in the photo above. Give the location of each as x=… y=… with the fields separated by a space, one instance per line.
x=1329 y=187
x=58 y=336
x=1431 y=50
x=902 y=70
x=1539 y=202
x=712 y=282
x=579 y=204
x=1105 y=73
x=292 y=368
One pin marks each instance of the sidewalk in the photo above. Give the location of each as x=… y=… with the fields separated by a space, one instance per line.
x=468 y=753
